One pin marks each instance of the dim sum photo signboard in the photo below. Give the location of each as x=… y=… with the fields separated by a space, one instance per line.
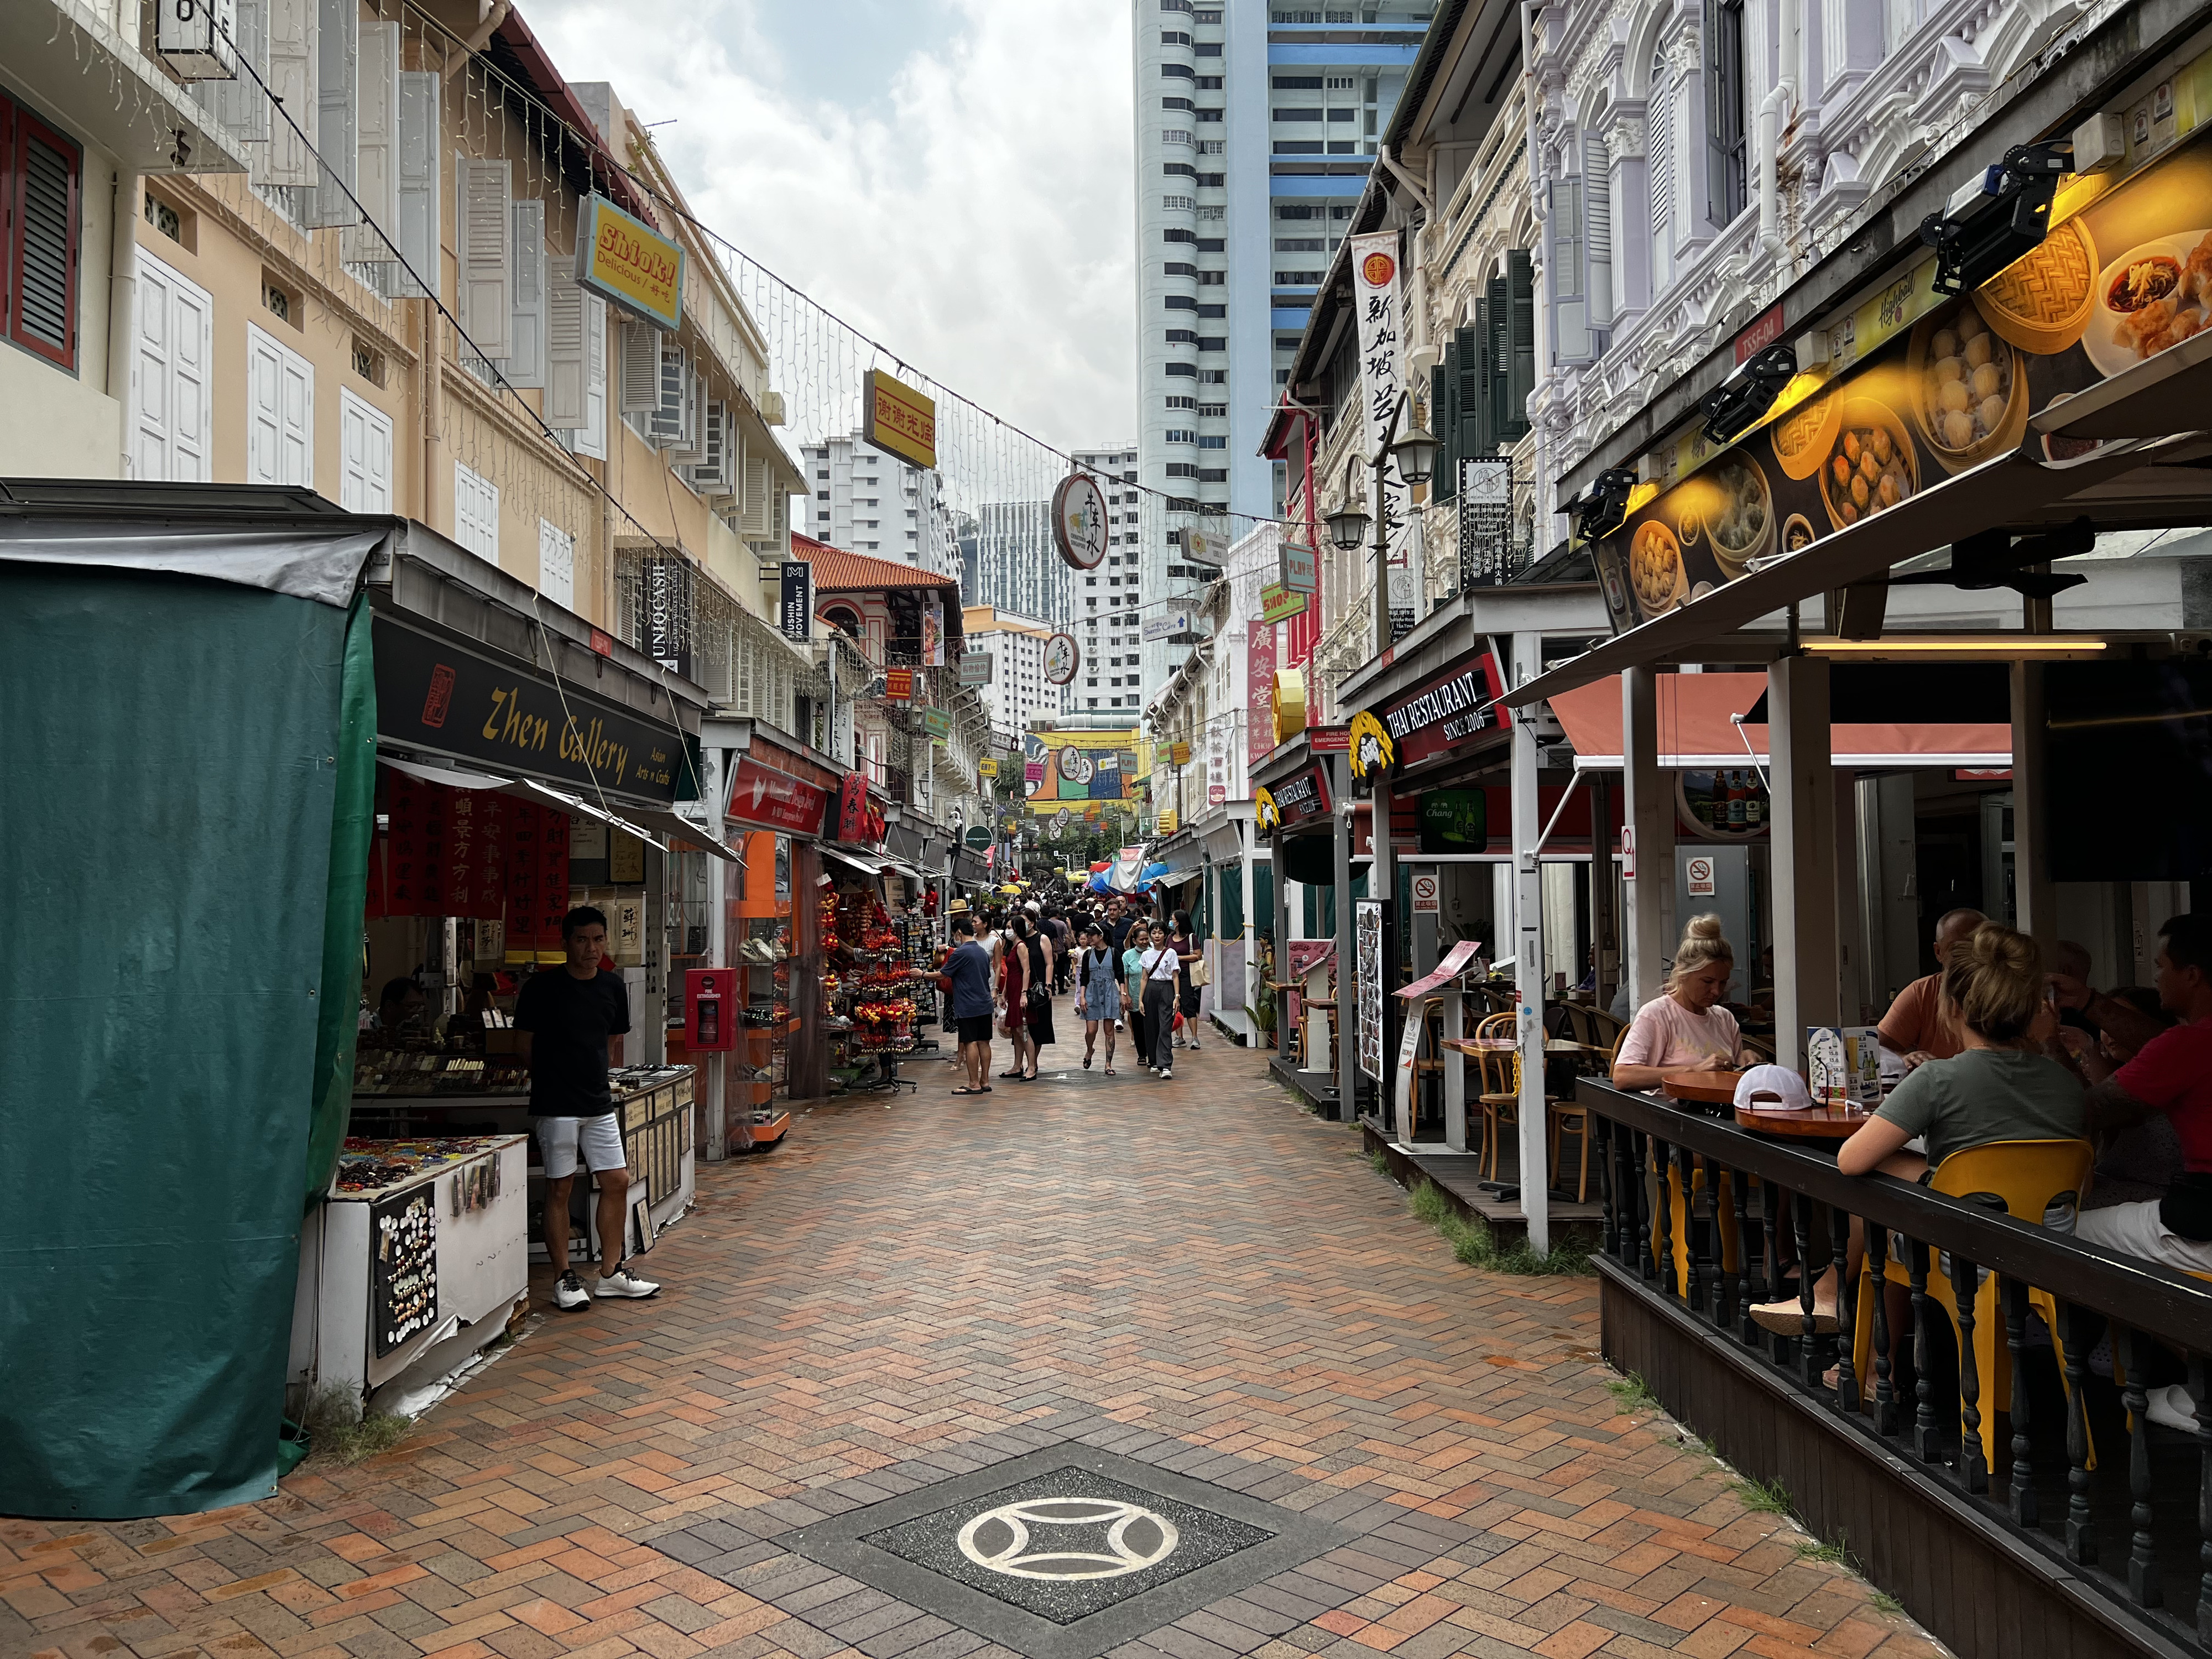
x=1924 y=386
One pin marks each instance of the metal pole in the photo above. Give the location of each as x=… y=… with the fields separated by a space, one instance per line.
x=1528 y=955
x=713 y=1078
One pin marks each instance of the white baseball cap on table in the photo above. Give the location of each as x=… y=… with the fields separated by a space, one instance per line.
x=1775 y=1087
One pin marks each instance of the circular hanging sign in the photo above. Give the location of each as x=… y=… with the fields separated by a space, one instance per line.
x=1078 y=521
x=1062 y=655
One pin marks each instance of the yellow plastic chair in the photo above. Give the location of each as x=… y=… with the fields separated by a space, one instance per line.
x=2033 y=1178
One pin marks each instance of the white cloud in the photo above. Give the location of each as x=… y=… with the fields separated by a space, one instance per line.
x=975 y=215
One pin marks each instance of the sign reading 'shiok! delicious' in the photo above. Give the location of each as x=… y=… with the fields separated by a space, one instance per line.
x=437 y=696
x=620 y=257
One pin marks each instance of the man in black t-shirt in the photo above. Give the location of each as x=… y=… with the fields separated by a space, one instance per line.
x=571 y=1021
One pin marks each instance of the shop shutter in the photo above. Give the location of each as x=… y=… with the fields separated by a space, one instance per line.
x=44 y=207
x=1468 y=400
x=291 y=32
x=526 y=358
x=280 y=412
x=1571 y=340
x=337 y=107
x=377 y=166
x=417 y=182
x=591 y=438
x=1520 y=344
x=564 y=350
x=1443 y=387
x=364 y=454
x=556 y=564
x=483 y=193
x=1597 y=237
x=1660 y=120
x=239 y=105
x=172 y=394
x=475 y=513
x=640 y=368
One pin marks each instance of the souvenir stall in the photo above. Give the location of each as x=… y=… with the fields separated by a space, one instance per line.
x=874 y=991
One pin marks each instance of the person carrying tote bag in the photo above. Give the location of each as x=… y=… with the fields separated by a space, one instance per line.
x=1161 y=967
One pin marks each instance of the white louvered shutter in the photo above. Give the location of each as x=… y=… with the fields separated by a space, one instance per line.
x=364 y=454
x=475 y=513
x=666 y=427
x=591 y=438
x=376 y=181
x=417 y=182
x=173 y=394
x=757 y=520
x=338 y=105
x=1660 y=117
x=525 y=357
x=712 y=470
x=482 y=194
x=292 y=34
x=1570 y=336
x=239 y=104
x=565 y=359
x=556 y=564
x=690 y=449
x=640 y=369
x=280 y=412
x=1597 y=238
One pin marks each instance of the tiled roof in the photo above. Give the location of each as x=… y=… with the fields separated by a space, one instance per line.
x=836 y=571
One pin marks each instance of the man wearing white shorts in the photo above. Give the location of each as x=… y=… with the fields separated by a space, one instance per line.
x=571 y=1021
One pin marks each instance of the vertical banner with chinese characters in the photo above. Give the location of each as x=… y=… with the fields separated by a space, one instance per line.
x=525 y=828
x=415 y=868
x=1259 y=691
x=552 y=883
x=476 y=842
x=1382 y=379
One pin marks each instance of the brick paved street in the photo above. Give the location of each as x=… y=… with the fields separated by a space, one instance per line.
x=1195 y=1276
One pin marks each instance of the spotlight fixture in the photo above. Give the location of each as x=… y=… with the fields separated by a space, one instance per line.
x=1741 y=402
x=1994 y=219
x=1603 y=505
x=1991 y=559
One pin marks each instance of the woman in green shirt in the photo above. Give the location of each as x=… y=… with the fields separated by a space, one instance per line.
x=2000 y=1087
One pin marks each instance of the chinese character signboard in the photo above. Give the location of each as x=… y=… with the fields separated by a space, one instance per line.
x=623 y=259
x=898 y=684
x=1259 y=692
x=900 y=419
x=1277 y=603
x=1382 y=352
x=795 y=607
x=1300 y=569
x=976 y=668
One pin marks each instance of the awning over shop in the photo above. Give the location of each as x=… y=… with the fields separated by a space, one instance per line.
x=868 y=864
x=1182 y=853
x=654 y=825
x=1698 y=726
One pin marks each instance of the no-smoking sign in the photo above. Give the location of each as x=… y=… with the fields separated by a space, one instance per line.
x=1424 y=895
x=1701 y=878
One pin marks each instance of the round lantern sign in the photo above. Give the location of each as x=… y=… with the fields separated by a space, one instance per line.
x=1062 y=655
x=1078 y=521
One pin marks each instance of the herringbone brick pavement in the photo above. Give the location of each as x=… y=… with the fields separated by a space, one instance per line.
x=1193 y=1273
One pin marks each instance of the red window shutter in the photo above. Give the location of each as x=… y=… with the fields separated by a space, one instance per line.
x=47 y=177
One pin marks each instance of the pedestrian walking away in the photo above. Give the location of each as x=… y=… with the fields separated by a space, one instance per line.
x=965 y=977
x=1098 y=994
x=1133 y=997
x=1160 y=966
x=570 y=1022
x=1036 y=1013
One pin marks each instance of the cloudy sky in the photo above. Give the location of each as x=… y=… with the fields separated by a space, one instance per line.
x=951 y=176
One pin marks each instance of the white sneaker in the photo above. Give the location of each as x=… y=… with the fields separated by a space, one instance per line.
x=624 y=1282
x=1167 y=1075
x=1193 y=1045
x=2172 y=1407
x=569 y=1295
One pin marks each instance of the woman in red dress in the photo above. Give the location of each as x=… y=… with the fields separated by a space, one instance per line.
x=1013 y=959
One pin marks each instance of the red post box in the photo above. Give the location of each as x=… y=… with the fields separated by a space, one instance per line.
x=712 y=1005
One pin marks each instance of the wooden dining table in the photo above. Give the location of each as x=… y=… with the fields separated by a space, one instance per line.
x=1508 y=1045
x=1813 y=1123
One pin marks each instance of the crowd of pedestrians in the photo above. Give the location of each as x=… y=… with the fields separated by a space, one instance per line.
x=1128 y=964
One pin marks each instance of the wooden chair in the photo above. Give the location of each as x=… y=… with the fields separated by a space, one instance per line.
x=2034 y=1180
x=1432 y=1042
x=1568 y=1118
x=1500 y=1094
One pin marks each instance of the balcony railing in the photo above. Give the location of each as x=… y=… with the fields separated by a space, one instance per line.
x=1996 y=1446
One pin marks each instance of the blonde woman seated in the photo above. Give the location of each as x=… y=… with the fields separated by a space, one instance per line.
x=1685 y=1028
x=2000 y=1087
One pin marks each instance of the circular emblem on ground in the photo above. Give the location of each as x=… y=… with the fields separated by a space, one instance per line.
x=1068 y=1537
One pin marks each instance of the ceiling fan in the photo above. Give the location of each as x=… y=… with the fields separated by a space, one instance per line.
x=1993 y=559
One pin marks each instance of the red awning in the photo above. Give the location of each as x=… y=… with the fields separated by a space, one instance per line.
x=1695 y=730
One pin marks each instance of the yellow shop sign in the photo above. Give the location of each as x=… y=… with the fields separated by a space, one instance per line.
x=620 y=256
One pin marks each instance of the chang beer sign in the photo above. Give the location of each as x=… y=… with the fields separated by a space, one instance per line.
x=627 y=261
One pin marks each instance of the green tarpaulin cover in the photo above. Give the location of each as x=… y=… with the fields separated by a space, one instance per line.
x=186 y=768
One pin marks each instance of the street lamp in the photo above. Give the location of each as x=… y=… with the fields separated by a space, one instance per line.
x=1347 y=524
x=1417 y=456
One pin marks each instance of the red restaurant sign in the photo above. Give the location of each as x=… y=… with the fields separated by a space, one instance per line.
x=1446 y=711
x=764 y=798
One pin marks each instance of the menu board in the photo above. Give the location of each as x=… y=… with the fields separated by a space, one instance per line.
x=1952 y=384
x=402 y=1255
x=1367 y=956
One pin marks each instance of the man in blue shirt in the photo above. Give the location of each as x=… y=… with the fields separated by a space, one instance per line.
x=965 y=975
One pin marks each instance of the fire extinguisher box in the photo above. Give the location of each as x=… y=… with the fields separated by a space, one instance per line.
x=713 y=1009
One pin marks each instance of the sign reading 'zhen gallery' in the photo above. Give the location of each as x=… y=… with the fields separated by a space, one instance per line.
x=434 y=696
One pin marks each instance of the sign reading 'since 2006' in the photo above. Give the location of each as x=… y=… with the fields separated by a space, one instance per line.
x=1446 y=711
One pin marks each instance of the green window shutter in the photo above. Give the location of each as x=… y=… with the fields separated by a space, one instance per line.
x=1498 y=316
x=1475 y=384
x=1521 y=365
x=1441 y=388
